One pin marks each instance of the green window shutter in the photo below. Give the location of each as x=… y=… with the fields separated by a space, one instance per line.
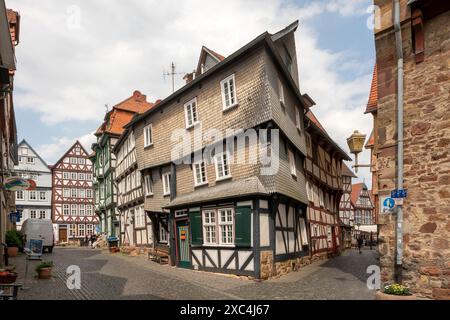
x=195 y=219
x=243 y=225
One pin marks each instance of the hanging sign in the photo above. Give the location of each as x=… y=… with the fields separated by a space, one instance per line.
x=399 y=193
x=19 y=184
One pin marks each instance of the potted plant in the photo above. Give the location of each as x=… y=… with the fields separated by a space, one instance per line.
x=395 y=292
x=7 y=276
x=13 y=240
x=44 y=269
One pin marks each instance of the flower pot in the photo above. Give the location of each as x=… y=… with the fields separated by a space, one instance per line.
x=12 y=251
x=44 y=273
x=384 y=296
x=7 y=277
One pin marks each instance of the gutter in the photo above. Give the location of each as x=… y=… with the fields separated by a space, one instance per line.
x=399 y=226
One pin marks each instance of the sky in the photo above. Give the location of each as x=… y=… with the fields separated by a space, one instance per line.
x=77 y=57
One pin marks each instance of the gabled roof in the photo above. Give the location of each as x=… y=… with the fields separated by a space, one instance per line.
x=290 y=28
x=34 y=151
x=356 y=191
x=68 y=150
x=7 y=60
x=122 y=113
x=372 y=104
x=345 y=171
x=315 y=124
x=263 y=39
x=206 y=51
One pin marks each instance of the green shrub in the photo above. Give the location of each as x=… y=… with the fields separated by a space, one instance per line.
x=397 y=289
x=13 y=238
x=43 y=265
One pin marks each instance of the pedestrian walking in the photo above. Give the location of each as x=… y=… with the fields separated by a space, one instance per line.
x=360 y=243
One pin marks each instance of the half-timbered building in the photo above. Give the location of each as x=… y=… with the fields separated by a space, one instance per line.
x=73 y=198
x=135 y=225
x=105 y=161
x=217 y=213
x=324 y=186
x=346 y=210
x=362 y=203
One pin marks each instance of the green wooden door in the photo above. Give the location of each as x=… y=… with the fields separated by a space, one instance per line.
x=184 y=260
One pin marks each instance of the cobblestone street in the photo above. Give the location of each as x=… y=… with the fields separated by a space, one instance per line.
x=108 y=276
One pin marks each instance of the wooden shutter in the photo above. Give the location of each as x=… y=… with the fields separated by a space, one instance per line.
x=243 y=226
x=195 y=220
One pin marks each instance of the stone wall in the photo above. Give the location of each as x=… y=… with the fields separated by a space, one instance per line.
x=426 y=267
x=269 y=269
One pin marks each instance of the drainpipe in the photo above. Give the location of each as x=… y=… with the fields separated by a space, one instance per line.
x=399 y=228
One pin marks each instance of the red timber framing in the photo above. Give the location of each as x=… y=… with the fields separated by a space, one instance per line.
x=72 y=196
x=323 y=167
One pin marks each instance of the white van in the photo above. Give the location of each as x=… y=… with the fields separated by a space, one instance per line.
x=39 y=229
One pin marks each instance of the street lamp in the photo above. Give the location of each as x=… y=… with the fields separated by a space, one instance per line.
x=355 y=143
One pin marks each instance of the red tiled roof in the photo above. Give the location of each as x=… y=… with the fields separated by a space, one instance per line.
x=372 y=104
x=218 y=56
x=345 y=171
x=356 y=191
x=123 y=112
x=314 y=119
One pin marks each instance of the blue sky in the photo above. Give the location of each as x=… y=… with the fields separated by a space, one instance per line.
x=77 y=56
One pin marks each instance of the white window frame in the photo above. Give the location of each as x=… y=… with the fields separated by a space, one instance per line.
x=292 y=166
x=148 y=185
x=148 y=135
x=206 y=223
x=81 y=230
x=73 y=193
x=32 y=196
x=66 y=175
x=230 y=97
x=30 y=160
x=82 y=210
x=192 y=107
x=89 y=211
x=163 y=234
x=82 y=193
x=33 y=214
x=72 y=230
x=73 y=210
x=200 y=167
x=66 y=210
x=88 y=193
x=229 y=223
x=73 y=160
x=281 y=93
x=219 y=159
x=42 y=212
x=216 y=227
x=166 y=183
x=42 y=198
x=81 y=176
x=22 y=193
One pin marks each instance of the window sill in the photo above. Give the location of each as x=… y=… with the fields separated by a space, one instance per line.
x=166 y=194
x=223 y=178
x=148 y=146
x=214 y=245
x=149 y=195
x=196 y=124
x=224 y=109
x=201 y=184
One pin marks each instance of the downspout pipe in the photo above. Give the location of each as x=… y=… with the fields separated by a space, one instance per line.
x=399 y=227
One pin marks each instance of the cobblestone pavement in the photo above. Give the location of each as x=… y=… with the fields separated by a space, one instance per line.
x=117 y=276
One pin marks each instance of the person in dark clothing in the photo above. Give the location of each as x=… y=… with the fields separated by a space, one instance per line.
x=360 y=243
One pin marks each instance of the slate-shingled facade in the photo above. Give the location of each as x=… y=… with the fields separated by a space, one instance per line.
x=220 y=215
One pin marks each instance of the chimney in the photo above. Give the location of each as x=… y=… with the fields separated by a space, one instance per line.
x=189 y=77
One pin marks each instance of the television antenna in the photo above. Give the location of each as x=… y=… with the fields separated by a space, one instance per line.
x=172 y=74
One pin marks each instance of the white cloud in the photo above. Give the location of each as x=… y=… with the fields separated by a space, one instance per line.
x=54 y=150
x=67 y=75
